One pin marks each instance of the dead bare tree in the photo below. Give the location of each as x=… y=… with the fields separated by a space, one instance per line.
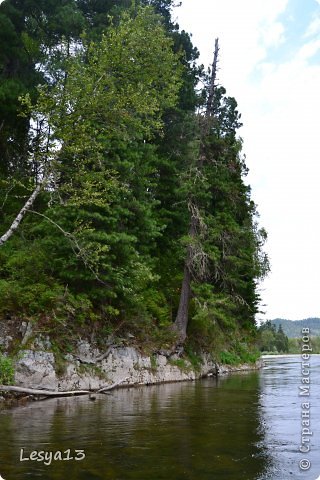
x=193 y=254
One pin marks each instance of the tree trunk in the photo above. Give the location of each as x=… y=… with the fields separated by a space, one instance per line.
x=15 y=224
x=52 y=393
x=181 y=321
x=209 y=107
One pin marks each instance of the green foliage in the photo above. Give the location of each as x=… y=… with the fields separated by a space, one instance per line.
x=153 y=362
x=315 y=344
x=157 y=306
x=193 y=357
x=112 y=132
x=6 y=370
x=294 y=346
x=296 y=343
x=247 y=352
x=239 y=355
x=229 y=358
x=181 y=364
x=272 y=340
x=293 y=328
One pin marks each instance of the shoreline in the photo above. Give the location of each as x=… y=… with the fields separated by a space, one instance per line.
x=124 y=367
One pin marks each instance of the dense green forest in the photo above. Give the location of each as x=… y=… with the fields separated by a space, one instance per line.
x=272 y=339
x=285 y=336
x=293 y=328
x=123 y=205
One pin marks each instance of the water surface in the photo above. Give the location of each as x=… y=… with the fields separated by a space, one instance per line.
x=241 y=427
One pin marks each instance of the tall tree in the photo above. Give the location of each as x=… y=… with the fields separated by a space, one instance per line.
x=196 y=222
x=224 y=260
x=99 y=183
x=124 y=175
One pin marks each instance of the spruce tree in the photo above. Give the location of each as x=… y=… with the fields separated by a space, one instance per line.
x=224 y=260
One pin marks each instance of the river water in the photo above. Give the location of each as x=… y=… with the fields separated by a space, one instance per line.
x=242 y=427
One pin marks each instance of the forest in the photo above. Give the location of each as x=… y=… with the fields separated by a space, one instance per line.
x=124 y=209
x=286 y=336
x=293 y=328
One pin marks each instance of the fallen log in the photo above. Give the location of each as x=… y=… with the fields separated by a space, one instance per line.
x=47 y=393
x=55 y=393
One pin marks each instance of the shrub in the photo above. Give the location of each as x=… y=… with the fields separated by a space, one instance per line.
x=6 y=370
x=229 y=358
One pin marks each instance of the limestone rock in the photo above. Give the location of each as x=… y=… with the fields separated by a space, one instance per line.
x=81 y=370
x=35 y=369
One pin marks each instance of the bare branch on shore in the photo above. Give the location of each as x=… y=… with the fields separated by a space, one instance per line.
x=53 y=393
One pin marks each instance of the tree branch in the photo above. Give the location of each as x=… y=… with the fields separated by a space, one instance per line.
x=47 y=393
x=77 y=250
x=110 y=387
x=53 y=393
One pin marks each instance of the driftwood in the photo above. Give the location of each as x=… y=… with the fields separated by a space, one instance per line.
x=105 y=354
x=95 y=360
x=48 y=393
x=110 y=387
x=52 y=393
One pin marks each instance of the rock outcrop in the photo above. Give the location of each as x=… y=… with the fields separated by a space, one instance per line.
x=91 y=368
x=84 y=370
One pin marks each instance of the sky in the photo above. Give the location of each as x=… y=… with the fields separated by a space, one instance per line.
x=270 y=62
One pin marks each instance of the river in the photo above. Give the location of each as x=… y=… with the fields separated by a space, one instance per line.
x=245 y=426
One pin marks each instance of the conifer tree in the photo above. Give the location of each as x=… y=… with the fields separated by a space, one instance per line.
x=223 y=260
x=118 y=184
x=99 y=183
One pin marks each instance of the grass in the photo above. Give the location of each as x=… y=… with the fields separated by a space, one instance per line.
x=6 y=370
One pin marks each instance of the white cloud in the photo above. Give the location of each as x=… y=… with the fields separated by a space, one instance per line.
x=281 y=142
x=313 y=27
x=245 y=29
x=282 y=153
x=280 y=109
x=309 y=49
x=273 y=35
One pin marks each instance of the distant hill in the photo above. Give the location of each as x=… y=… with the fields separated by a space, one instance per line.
x=293 y=328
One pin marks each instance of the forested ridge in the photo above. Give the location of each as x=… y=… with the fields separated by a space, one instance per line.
x=293 y=328
x=286 y=336
x=123 y=206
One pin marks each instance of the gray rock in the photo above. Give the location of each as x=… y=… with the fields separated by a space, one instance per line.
x=86 y=353
x=5 y=342
x=42 y=343
x=35 y=369
x=27 y=332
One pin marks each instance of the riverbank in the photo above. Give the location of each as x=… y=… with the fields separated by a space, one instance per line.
x=92 y=368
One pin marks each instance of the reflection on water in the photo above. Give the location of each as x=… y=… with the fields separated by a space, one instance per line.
x=245 y=426
x=281 y=417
